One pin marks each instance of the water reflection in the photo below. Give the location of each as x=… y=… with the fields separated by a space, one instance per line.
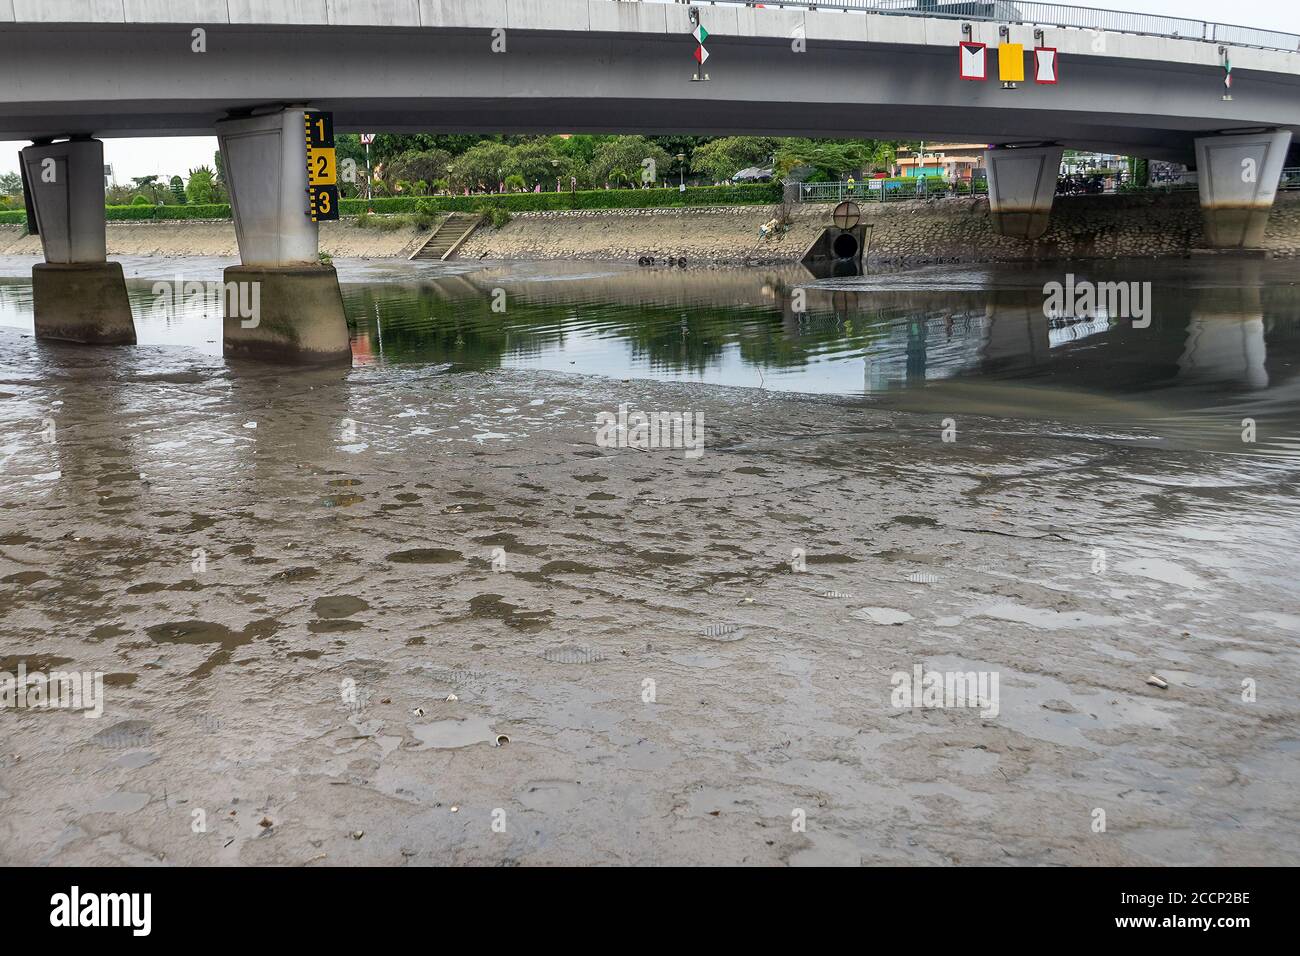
x=1222 y=337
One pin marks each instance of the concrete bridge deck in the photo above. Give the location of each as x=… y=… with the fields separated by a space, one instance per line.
x=126 y=67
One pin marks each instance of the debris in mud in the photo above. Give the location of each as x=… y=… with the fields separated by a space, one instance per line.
x=923 y=577
x=425 y=556
x=1157 y=681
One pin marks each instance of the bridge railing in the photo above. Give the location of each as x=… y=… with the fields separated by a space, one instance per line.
x=1060 y=15
x=901 y=190
x=889 y=190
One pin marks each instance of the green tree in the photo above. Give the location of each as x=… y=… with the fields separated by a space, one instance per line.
x=199 y=189
x=177 y=187
x=487 y=163
x=833 y=158
x=417 y=166
x=722 y=158
x=11 y=184
x=535 y=160
x=621 y=159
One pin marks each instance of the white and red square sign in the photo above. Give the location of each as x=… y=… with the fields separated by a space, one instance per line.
x=974 y=61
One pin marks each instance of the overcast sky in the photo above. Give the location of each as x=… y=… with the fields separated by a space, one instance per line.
x=177 y=155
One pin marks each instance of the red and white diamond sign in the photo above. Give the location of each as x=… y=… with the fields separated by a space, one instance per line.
x=974 y=61
x=1044 y=64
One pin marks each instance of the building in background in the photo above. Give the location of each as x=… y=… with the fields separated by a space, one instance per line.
x=1076 y=162
x=953 y=161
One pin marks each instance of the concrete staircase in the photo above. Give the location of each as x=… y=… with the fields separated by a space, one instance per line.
x=446 y=239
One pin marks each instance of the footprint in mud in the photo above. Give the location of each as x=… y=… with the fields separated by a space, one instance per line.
x=467 y=509
x=425 y=556
x=342 y=500
x=208 y=632
x=334 y=626
x=296 y=574
x=512 y=545
x=751 y=470
x=23 y=577
x=915 y=521
x=340 y=605
x=131 y=734
x=105 y=631
x=601 y=496
x=594 y=476
x=450 y=734
x=33 y=663
x=668 y=558
x=566 y=567
x=491 y=606
x=882 y=615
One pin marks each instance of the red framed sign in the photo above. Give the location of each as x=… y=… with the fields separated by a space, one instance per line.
x=974 y=60
x=1044 y=64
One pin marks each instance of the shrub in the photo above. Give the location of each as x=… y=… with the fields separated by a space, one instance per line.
x=495 y=214
x=748 y=194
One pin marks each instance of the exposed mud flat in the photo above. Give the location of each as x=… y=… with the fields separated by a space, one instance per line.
x=402 y=566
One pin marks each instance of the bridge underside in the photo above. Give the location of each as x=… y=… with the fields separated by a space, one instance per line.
x=60 y=81
x=250 y=84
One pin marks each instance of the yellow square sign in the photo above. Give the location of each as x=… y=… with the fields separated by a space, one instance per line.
x=322 y=167
x=1011 y=62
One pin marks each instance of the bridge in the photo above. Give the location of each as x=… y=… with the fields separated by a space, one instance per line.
x=74 y=71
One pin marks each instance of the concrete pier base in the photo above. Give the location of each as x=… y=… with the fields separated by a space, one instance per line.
x=290 y=314
x=78 y=295
x=1237 y=176
x=1022 y=184
x=82 y=302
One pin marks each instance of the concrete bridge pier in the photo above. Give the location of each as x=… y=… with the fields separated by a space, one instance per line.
x=1022 y=184
x=281 y=303
x=77 y=294
x=1237 y=175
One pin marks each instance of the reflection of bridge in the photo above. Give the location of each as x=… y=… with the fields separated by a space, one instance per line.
x=680 y=322
x=79 y=68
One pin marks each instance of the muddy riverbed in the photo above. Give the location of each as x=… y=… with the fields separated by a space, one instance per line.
x=412 y=612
